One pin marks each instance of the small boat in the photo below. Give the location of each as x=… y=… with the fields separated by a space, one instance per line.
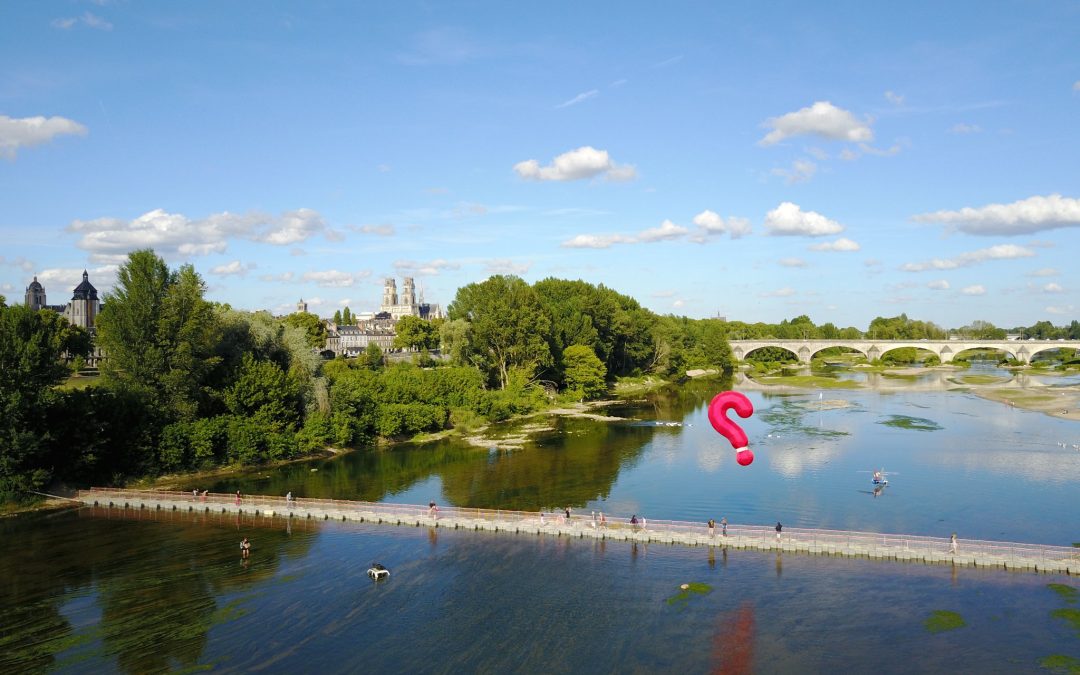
x=377 y=572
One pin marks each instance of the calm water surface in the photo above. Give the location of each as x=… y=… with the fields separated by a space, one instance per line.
x=99 y=590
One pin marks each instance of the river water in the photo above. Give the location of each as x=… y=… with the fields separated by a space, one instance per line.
x=99 y=590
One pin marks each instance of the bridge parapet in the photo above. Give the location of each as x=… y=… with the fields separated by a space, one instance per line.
x=946 y=350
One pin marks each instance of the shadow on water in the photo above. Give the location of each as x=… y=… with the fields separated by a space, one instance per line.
x=127 y=585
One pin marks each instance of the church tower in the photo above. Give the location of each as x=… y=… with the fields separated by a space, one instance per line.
x=408 y=292
x=35 y=295
x=389 y=294
x=301 y=306
x=84 y=306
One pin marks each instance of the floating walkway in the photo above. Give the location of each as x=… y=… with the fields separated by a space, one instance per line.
x=899 y=547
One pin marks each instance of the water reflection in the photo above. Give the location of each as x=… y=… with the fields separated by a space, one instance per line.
x=157 y=580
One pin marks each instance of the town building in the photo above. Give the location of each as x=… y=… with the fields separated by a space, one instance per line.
x=406 y=304
x=81 y=311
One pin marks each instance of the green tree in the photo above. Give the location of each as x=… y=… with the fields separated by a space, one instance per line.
x=30 y=347
x=347 y=318
x=509 y=326
x=415 y=333
x=372 y=357
x=312 y=325
x=263 y=391
x=455 y=339
x=584 y=371
x=337 y=317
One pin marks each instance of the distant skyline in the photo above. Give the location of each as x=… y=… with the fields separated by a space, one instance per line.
x=752 y=161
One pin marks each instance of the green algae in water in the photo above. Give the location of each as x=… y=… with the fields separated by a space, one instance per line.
x=787 y=417
x=942 y=620
x=1061 y=663
x=1071 y=615
x=912 y=423
x=1067 y=592
x=683 y=596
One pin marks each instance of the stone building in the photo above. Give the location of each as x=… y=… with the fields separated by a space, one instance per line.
x=406 y=304
x=81 y=311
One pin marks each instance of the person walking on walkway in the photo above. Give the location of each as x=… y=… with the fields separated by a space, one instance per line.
x=712 y=527
x=245 y=548
x=541 y=516
x=723 y=526
x=952 y=544
x=567 y=515
x=594 y=520
x=238 y=498
x=778 y=528
x=289 y=499
x=603 y=520
x=433 y=511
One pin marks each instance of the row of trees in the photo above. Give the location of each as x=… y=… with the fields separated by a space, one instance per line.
x=189 y=384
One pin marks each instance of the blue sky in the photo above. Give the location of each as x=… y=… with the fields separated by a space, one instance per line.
x=749 y=160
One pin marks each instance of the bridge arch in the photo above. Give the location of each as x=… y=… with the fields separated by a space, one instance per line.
x=795 y=354
x=1009 y=353
x=817 y=349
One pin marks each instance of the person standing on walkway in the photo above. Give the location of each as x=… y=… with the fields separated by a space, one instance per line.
x=238 y=498
x=541 y=516
x=778 y=528
x=245 y=548
x=594 y=520
x=952 y=544
x=712 y=527
x=288 y=499
x=567 y=515
x=433 y=511
x=603 y=520
x=723 y=526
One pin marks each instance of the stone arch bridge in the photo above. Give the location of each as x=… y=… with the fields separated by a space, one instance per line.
x=1021 y=350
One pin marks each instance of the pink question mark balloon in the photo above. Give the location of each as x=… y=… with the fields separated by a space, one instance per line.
x=725 y=427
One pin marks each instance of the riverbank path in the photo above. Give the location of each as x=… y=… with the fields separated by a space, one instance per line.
x=898 y=547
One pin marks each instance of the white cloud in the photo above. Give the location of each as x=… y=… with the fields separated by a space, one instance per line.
x=791 y=262
x=174 y=235
x=999 y=252
x=1044 y=272
x=821 y=119
x=678 y=303
x=425 y=268
x=939 y=285
x=977 y=289
x=507 y=266
x=335 y=279
x=843 y=244
x=596 y=240
x=385 y=230
x=1026 y=216
x=667 y=231
x=785 y=292
x=711 y=223
x=801 y=171
x=19 y=262
x=1053 y=288
x=790 y=220
x=583 y=96
x=1056 y=310
x=234 y=268
x=284 y=277
x=584 y=162
x=894 y=98
x=24 y=132
x=63 y=280
x=962 y=128
x=87 y=19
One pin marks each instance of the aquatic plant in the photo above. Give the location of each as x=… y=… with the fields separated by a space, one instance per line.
x=683 y=596
x=1070 y=614
x=911 y=423
x=1061 y=663
x=1069 y=593
x=942 y=620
